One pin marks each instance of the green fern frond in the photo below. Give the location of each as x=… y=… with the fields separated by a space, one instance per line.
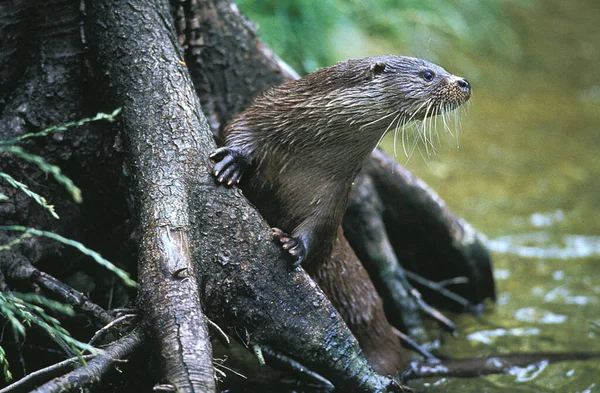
x=4 y=362
x=64 y=127
x=47 y=168
x=123 y=275
x=34 y=298
x=7 y=147
x=23 y=187
x=20 y=310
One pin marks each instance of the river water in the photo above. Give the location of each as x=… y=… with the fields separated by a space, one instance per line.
x=525 y=171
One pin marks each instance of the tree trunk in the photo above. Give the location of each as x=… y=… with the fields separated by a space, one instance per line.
x=149 y=195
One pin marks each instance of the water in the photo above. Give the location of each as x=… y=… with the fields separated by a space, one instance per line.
x=526 y=171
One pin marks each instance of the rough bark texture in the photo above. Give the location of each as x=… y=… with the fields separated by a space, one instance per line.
x=347 y=285
x=165 y=133
x=229 y=64
x=93 y=372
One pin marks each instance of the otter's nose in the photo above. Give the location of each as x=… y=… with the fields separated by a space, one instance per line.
x=464 y=85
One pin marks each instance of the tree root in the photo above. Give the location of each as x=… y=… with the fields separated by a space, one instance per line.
x=38 y=377
x=93 y=372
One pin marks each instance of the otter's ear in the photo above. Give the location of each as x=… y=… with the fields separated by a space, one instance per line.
x=377 y=68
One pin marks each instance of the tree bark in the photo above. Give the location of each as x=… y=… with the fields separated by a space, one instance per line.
x=229 y=64
x=148 y=192
x=165 y=133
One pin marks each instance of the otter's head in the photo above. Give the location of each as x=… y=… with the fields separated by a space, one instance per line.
x=420 y=88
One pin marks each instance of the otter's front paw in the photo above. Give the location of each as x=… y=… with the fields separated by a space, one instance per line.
x=229 y=165
x=293 y=246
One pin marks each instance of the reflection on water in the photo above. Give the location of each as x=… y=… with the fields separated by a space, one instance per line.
x=524 y=374
x=545 y=245
x=487 y=336
x=533 y=315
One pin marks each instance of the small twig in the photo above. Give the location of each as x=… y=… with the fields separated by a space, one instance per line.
x=223 y=338
x=109 y=326
x=436 y=287
x=412 y=344
x=164 y=387
x=70 y=296
x=37 y=377
x=433 y=313
x=220 y=372
x=461 y=280
x=289 y=364
x=222 y=365
x=123 y=310
x=259 y=354
x=95 y=370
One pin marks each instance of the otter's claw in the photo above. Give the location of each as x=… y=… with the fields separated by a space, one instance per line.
x=229 y=165
x=293 y=246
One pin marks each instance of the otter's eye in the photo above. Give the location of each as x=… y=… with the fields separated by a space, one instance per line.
x=428 y=75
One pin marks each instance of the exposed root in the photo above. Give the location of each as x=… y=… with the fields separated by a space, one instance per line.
x=37 y=377
x=94 y=371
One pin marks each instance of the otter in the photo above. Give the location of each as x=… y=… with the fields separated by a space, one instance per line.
x=295 y=152
x=297 y=149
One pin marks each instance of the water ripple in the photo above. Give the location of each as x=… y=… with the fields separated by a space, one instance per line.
x=487 y=336
x=544 y=245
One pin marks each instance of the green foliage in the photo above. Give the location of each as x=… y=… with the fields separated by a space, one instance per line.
x=8 y=147
x=309 y=34
x=4 y=362
x=123 y=275
x=63 y=127
x=23 y=310
x=22 y=187
x=47 y=168
x=295 y=29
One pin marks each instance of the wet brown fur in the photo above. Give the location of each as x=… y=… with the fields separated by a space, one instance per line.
x=304 y=143
x=306 y=140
